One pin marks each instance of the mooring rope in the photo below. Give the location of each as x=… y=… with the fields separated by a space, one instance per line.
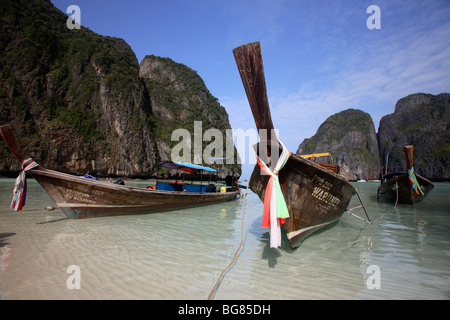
x=361 y=206
x=396 y=188
x=237 y=250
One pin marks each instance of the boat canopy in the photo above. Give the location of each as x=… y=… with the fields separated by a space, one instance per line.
x=191 y=168
x=315 y=155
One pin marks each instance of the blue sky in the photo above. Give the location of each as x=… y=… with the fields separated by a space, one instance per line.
x=319 y=56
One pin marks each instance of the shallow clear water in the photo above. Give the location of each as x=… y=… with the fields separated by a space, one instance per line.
x=403 y=254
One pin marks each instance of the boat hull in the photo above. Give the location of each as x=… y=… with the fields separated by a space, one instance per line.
x=315 y=197
x=80 y=197
x=398 y=188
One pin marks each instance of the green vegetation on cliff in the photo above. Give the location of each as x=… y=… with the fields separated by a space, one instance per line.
x=58 y=64
x=335 y=127
x=421 y=120
x=179 y=97
x=351 y=139
x=76 y=99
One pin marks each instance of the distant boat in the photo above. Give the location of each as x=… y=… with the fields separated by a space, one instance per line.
x=313 y=156
x=80 y=197
x=361 y=180
x=404 y=187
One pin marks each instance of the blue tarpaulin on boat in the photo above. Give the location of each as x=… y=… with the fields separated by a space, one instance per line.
x=166 y=186
x=194 y=188
x=169 y=186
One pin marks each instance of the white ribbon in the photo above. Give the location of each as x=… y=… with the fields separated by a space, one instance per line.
x=19 y=187
x=276 y=204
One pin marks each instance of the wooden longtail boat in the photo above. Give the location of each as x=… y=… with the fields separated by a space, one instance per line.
x=315 y=196
x=80 y=197
x=313 y=156
x=404 y=187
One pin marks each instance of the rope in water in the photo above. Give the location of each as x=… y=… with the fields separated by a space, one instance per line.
x=237 y=250
x=396 y=188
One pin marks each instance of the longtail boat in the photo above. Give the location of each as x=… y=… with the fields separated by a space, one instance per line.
x=313 y=156
x=404 y=187
x=314 y=196
x=81 y=197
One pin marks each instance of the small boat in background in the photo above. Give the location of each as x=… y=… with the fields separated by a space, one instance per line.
x=404 y=187
x=313 y=156
x=81 y=197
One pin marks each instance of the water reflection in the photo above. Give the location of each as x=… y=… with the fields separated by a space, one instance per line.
x=6 y=251
x=180 y=255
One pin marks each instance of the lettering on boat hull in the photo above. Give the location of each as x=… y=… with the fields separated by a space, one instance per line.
x=81 y=194
x=322 y=192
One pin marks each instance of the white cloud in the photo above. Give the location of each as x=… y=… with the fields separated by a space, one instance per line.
x=363 y=70
x=374 y=77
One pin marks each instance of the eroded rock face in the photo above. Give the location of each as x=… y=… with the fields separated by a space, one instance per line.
x=77 y=102
x=180 y=99
x=421 y=120
x=351 y=139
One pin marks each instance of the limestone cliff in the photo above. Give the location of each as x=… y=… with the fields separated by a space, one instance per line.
x=76 y=100
x=351 y=139
x=180 y=99
x=421 y=120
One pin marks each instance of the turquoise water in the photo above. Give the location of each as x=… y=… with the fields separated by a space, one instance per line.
x=403 y=254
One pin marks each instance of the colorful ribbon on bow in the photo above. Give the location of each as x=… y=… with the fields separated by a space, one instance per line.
x=20 y=187
x=275 y=208
x=413 y=179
